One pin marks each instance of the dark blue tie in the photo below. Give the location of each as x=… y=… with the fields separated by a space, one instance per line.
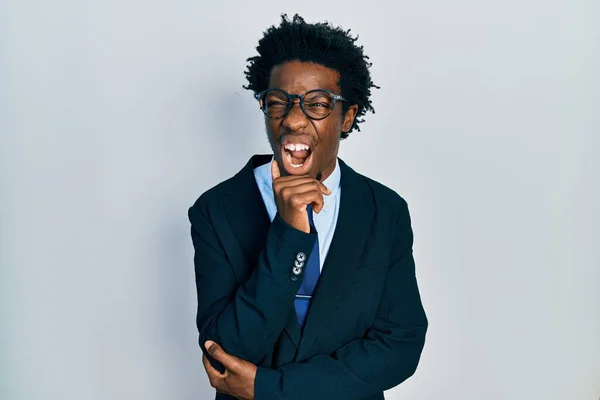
x=311 y=277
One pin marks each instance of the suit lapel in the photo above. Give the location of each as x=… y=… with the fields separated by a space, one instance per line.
x=249 y=222
x=245 y=209
x=351 y=232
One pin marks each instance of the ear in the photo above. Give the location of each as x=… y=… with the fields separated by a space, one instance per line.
x=349 y=117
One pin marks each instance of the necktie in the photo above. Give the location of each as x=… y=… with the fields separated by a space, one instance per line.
x=311 y=277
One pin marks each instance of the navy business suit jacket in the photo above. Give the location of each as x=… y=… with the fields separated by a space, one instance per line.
x=365 y=328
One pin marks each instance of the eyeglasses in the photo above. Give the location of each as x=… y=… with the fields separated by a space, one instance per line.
x=316 y=104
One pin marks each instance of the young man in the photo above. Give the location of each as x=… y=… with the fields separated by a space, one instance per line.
x=304 y=268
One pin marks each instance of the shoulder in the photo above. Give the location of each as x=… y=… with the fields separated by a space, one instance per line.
x=384 y=193
x=386 y=199
x=392 y=222
x=212 y=198
x=239 y=185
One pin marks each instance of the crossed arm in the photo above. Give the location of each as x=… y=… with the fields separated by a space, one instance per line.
x=384 y=357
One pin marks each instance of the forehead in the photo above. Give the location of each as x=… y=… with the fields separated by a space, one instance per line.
x=300 y=77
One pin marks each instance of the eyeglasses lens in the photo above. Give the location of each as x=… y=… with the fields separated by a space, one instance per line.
x=317 y=104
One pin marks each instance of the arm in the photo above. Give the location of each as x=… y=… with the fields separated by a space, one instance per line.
x=246 y=318
x=386 y=356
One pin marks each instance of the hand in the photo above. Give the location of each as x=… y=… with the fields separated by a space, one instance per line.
x=239 y=375
x=293 y=193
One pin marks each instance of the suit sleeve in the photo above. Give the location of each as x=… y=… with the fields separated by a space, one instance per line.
x=384 y=357
x=245 y=318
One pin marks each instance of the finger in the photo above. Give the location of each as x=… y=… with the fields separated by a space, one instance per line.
x=319 y=185
x=210 y=370
x=215 y=378
x=292 y=179
x=301 y=200
x=310 y=186
x=230 y=362
x=300 y=181
x=324 y=188
x=317 y=207
x=275 y=173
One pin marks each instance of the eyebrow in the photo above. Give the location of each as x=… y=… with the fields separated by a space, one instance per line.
x=309 y=90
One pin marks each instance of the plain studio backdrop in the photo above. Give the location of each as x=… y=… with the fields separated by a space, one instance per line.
x=117 y=115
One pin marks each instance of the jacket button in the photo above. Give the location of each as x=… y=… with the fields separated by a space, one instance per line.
x=298 y=264
x=301 y=257
x=296 y=270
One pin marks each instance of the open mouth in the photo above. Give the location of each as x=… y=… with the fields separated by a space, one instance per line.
x=297 y=158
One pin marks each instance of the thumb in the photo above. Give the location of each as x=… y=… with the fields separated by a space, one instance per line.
x=275 y=173
x=230 y=362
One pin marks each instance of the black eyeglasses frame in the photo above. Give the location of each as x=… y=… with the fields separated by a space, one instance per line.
x=260 y=96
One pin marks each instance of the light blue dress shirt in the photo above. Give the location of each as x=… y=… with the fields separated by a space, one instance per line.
x=325 y=220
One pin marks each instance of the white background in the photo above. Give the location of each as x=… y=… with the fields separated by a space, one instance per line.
x=116 y=115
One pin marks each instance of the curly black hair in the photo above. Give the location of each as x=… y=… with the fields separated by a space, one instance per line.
x=321 y=43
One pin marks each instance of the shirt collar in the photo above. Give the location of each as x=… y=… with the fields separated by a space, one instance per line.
x=332 y=182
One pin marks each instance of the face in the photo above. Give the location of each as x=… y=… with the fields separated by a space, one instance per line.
x=302 y=145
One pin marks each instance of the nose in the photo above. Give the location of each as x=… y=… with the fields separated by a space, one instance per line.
x=295 y=120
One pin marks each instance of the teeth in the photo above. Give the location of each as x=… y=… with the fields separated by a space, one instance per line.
x=289 y=157
x=296 y=147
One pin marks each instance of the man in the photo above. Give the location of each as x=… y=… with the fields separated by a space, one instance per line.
x=304 y=268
